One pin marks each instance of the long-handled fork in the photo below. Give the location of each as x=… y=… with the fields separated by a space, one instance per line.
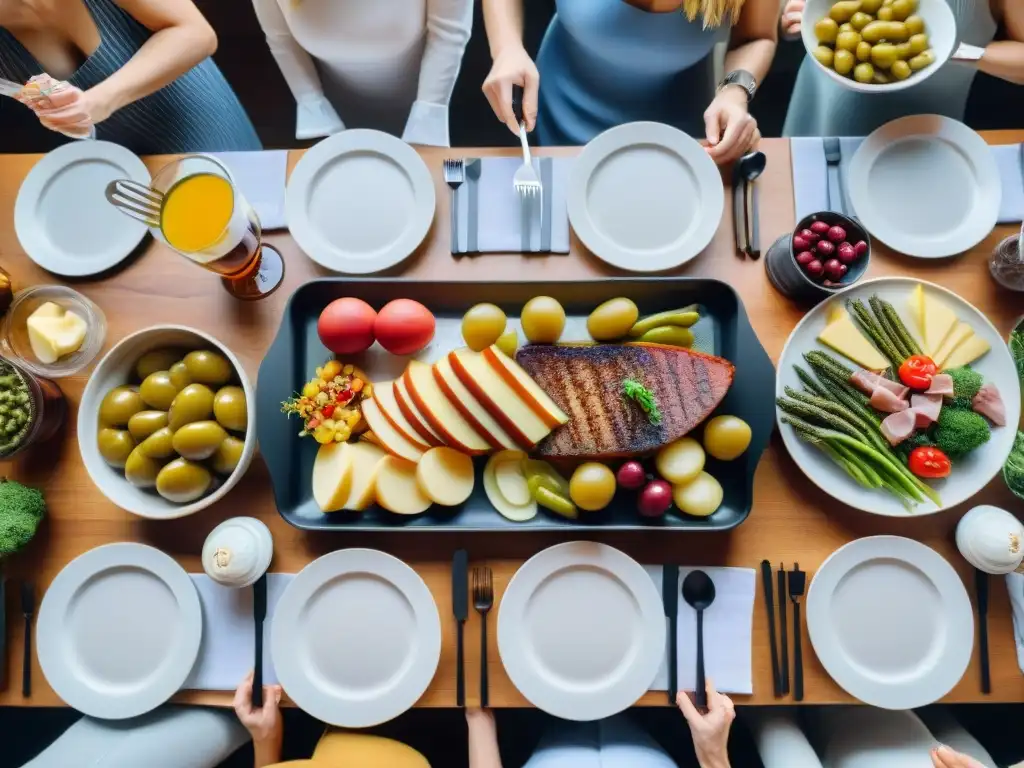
x=137 y=200
x=526 y=182
x=454 y=175
x=483 y=601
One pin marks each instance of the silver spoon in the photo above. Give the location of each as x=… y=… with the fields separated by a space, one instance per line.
x=699 y=593
x=750 y=166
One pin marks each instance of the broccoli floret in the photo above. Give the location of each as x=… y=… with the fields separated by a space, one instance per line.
x=966 y=383
x=916 y=440
x=21 y=510
x=959 y=431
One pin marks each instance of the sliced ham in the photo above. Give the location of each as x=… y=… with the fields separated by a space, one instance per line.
x=867 y=382
x=897 y=427
x=942 y=384
x=884 y=400
x=989 y=403
x=926 y=407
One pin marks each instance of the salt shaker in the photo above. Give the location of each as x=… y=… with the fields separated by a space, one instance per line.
x=992 y=540
x=238 y=551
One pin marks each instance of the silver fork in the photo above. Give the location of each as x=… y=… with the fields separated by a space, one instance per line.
x=136 y=200
x=454 y=175
x=526 y=182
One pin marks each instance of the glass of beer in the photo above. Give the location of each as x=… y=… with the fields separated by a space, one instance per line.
x=205 y=218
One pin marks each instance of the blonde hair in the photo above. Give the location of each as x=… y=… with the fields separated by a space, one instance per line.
x=714 y=12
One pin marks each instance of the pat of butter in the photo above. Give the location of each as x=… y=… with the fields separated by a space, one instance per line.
x=54 y=332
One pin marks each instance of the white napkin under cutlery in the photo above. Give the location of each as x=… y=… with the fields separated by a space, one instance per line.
x=261 y=178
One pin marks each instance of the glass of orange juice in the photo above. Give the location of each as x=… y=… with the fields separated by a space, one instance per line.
x=206 y=219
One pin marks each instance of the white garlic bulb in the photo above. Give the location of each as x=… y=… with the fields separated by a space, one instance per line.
x=991 y=539
x=238 y=551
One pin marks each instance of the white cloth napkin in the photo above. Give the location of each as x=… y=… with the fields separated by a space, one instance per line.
x=499 y=221
x=1015 y=588
x=228 y=646
x=728 y=632
x=810 y=172
x=261 y=178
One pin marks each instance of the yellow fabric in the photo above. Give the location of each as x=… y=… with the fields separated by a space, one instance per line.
x=358 y=750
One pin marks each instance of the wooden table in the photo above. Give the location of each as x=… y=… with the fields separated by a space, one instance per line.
x=791 y=521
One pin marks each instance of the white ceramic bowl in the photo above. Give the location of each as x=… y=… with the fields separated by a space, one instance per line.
x=116 y=369
x=940 y=25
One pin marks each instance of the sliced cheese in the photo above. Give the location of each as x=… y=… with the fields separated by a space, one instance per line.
x=446 y=476
x=504 y=402
x=384 y=395
x=439 y=411
x=917 y=309
x=845 y=337
x=528 y=389
x=366 y=459
x=393 y=441
x=835 y=312
x=332 y=475
x=960 y=333
x=413 y=415
x=397 y=489
x=938 y=322
x=470 y=407
x=967 y=352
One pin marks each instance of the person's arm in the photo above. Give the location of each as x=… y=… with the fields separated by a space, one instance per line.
x=710 y=730
x=1005 y=58
x=314 y=114
x=731 y=131
x=264 y=725
x=483 y=739
x=512 y=65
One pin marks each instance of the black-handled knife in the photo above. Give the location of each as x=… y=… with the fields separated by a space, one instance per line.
x=3 y=632
x=670 y=599
x=28 y=610
x=981 y=588
x=259 y=613
x=460 y=608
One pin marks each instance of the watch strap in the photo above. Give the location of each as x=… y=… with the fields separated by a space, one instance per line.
x=742 y=79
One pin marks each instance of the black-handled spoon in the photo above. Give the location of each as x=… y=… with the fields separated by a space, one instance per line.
x=699 y=594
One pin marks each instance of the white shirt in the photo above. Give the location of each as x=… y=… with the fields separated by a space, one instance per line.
x=369 y=63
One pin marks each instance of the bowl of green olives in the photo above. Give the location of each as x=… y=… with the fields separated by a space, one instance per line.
x=165 y=424
x=877 y=46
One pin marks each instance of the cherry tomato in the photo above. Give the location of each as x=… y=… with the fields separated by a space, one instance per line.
x=926 y=461
x=917 y=371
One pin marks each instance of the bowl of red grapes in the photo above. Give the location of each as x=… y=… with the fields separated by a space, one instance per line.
x=830 y=250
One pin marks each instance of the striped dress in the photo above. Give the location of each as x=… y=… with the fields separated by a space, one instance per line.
x=198 y=112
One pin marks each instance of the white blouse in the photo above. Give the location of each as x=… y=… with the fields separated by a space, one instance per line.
x=385 y=64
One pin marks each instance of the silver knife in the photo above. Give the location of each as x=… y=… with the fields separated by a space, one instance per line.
x=833 y=158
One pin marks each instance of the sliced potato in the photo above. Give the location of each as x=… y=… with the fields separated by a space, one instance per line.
x=397 y=489
x=332 y=476
x=512 y=482
x=366 y=458
x=518 y=513
x=681 y=461
x=700 y=497
x=445 y=476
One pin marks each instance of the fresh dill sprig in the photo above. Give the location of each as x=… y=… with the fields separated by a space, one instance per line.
x=634 y=390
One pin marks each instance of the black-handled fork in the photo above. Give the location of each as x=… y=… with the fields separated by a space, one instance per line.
x=483 y=601
x=28 y=609
x=797 y=583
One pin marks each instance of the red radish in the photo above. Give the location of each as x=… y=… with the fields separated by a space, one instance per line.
x=815 y=269
x=837 y=234
x=820 y=228
x=800 y=244
x=833 y=269
x=655 y=499
x=861 y=248
x=846 y=253
x=825 y=248
x=631 y=476
x=804 y=258
x=809 y=236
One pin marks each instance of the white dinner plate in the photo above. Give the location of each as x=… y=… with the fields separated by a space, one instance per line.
x=356 y=638
x=891 y=622
x=972 y=472
x=645 y=197
x=119 y=630
x=926 y=186
x=581 y=630
x=360 y=201
x=62 y=217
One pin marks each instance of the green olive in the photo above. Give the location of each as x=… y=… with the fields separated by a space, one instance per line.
x=158 y=390
x=826 y=30
x=180 y=376
x=847 y=27
x=159 y=445
x=864 y=73
x=208 y=367
x=848 y=41
x=881 y=77
x=915 y=25
x=885 y=14
x=900 y=70
x=901 y=9
x=119 y=405
x=115 y=446
x=182 y=481
x=883 y=55
x=903 y=51
x=229 y=408
x=193 y=403
x=864 y=51
x=145 y=423
x=922 y=60
x=228 y=454
x=843 y=62
x=890 y=31
x=870 y=6
x=844 y=10
x=824 y=55
x=140 y=470
x=198 y=440
x=918 y=43
x=860 y=20
x=157 y=360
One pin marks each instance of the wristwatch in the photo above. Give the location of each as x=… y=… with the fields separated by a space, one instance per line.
x=741 y=78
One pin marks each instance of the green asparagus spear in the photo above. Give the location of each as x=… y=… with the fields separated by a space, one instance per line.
x=886 y=327
x=901 y=329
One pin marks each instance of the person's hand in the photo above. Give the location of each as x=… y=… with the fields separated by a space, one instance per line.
x=789 y=24
x=944 y=757
x=476 y=717
x=72 y=110
x=264 y=725
x=731 y=130
x=710 y=731
x=513 y=66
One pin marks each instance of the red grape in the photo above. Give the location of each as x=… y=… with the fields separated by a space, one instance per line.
x=846 y=253
x=631 y=475
x=825 y=248
x=804 y=258
x=655 y=499
x=815 y=269
x=810 y=237
x=837 y=234
x=820 y=228
x=833 y=269
x=860 y=247
x=800 y=244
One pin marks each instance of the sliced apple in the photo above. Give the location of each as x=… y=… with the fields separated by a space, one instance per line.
x=391 y=439
x=517 y=513
x=500 y=399
x=332 y=476
x=446 y=476
x=512 y=482
x=413 y=414
x=366 y=458
x=397 y=489
x=470 y=407
x=384 y=396
x=535 y=397
x=443 y=417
